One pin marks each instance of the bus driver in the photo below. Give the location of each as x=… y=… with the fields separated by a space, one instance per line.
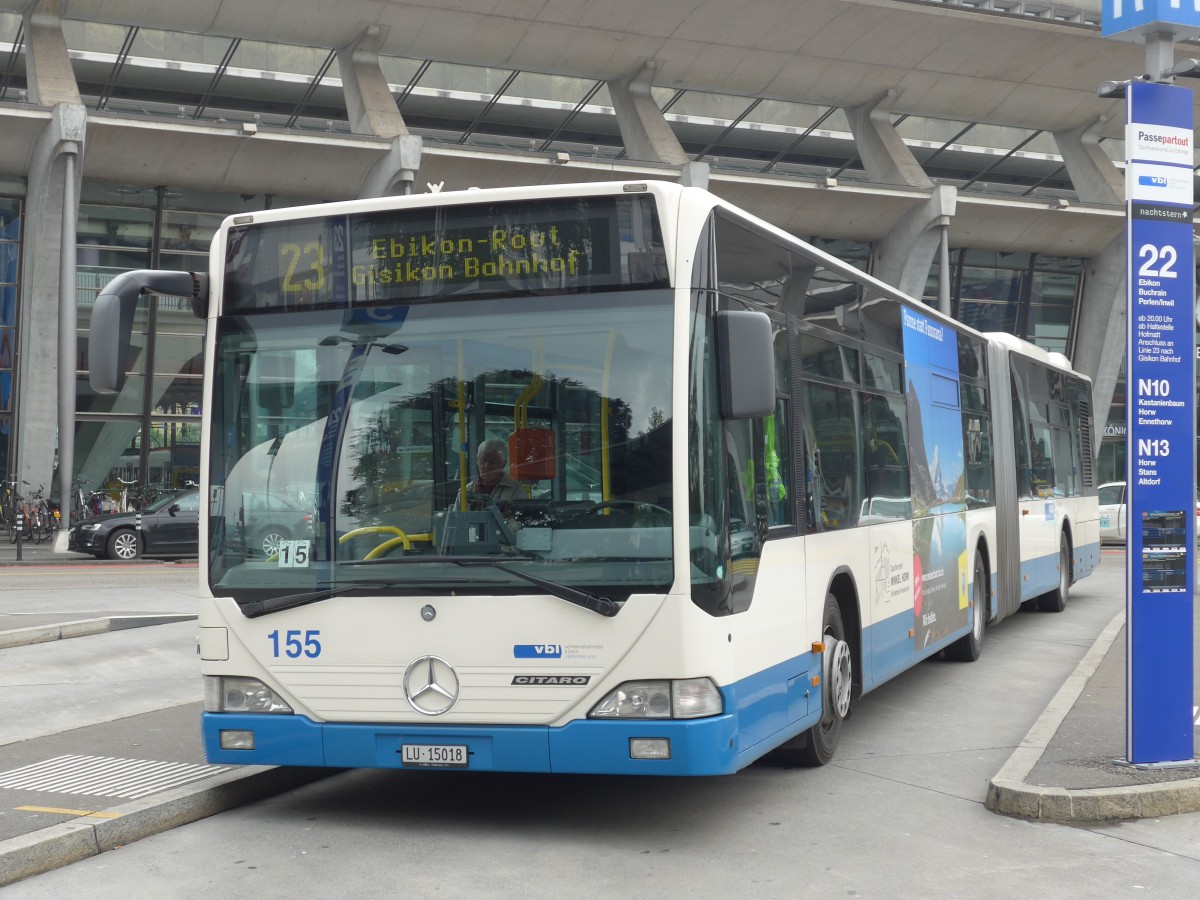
x=492 y=483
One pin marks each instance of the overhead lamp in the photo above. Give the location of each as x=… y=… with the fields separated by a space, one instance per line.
x=1185 y=68
x=1112 y=90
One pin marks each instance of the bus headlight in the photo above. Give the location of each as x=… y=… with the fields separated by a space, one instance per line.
x=234 y=694
x=690 y=698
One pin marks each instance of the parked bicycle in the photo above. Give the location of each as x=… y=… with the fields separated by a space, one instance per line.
x=36 y=523
x=85 y=503
x=39 y=520
x=142 y=495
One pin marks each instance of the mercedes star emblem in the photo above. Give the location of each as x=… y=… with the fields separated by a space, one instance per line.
x=431 y=685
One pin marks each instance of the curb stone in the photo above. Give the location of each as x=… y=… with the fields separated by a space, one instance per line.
x=1010 y=795
x=40 y=634
x=84 y=837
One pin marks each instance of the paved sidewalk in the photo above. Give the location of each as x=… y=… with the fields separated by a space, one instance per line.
x=1070 y=766
x=90 y=762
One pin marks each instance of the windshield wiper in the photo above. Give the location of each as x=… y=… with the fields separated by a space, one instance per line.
x=291 y=601
x=597 y=604
x=594 y=602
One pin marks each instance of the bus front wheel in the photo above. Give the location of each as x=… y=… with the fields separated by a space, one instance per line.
x=837 y=682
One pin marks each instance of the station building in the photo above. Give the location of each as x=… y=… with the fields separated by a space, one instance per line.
x=957 y=150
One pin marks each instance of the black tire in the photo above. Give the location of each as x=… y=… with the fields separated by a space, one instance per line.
x=123 y=544
x=968 y=647
x=817 y=746
x=1056 y=600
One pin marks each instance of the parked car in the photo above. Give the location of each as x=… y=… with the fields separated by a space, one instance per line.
x=262 y=520
x=1112 y=512
x=170 y=527
x=1113 y=516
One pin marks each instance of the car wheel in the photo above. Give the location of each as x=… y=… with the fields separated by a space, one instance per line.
x=124 y=544
x=268 y=542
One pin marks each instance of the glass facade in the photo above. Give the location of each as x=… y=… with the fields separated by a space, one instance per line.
x=153 y=437
x=150 y=432
x=10 y=270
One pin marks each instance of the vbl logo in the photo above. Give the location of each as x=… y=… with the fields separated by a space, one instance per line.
x=537 y=651
x=1153 y=180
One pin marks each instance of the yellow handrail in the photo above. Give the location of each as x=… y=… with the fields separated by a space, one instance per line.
x=378 y=529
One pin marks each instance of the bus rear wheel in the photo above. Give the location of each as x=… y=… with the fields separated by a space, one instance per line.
x=1056 y=600
x=968 y=647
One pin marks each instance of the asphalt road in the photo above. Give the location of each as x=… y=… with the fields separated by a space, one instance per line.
x=898 y=814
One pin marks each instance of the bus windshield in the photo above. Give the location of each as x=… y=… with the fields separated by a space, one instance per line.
x=344 y=447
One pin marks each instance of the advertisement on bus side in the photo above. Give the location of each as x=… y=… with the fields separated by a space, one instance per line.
x=938 y=484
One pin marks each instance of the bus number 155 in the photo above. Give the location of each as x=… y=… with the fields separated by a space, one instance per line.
x=292 y=647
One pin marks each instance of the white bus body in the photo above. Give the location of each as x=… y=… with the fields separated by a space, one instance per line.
x=703 y=563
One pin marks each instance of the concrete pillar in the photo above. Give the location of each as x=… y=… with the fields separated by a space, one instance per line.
x=1100 y=330
x=51 y=213
x=49 y=234
x=395 y=172
x=644 y=128
x=1095 y=177
x=369 y=101
x=694 y=174
x=48 y=65
x=884 y=154
x=903 y=258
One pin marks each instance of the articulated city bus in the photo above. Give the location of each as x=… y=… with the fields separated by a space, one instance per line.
x=740 y=483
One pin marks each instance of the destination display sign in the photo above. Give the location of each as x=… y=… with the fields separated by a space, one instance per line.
x=1160 y=411
x=424 y=253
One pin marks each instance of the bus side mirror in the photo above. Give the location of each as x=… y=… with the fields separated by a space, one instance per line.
x=745 y=364
x=108 y=339
x=111 y=323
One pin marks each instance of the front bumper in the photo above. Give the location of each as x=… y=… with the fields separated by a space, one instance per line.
x=85 y=541
x=698 y=746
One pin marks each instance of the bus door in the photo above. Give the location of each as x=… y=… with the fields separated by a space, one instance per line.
x=1038 y=518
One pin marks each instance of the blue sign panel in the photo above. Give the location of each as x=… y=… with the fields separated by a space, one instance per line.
x=1131 y=19
x=1160 y=418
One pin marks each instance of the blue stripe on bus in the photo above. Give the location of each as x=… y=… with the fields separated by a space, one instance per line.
x=1039 y=576
x=1087 y=559
x=764 y=709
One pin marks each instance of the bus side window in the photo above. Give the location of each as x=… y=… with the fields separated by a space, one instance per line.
x=886 y=455
x=744 y=475
x=777 y=462
x=777 y=439
x=833 y=476
x=1065 y=472
x=1021 y=445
